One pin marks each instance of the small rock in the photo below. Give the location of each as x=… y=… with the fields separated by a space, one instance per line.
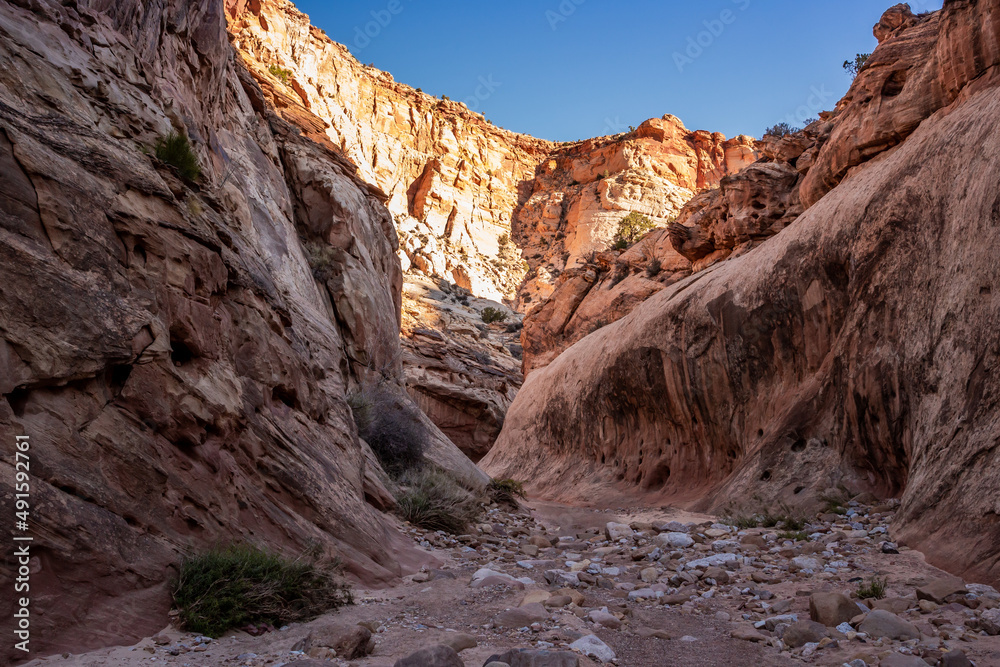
x=990 y=622
x=831 y=609
x=535 y=596
x=955 y=658
x=616 y=531
x=938 y=589
x=459 y=641
x=893 y=605
x=349 y=642
x=747 y=634
x=900 y=660
x=522 y=616
x=649 y=575
x=714 y=559
x=527 y=657
x=718 y=574
x=592 y=646
x=804 y=632
x=881 y=623
x=673 y=540
x=435 y=656
x=604 y=619
x=558 y=601
x=654 y=633
x=890 y=548
x=806 y=563
x=161 y=640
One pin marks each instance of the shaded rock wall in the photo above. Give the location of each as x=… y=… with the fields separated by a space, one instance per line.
x=852 y=348
x=178 y=352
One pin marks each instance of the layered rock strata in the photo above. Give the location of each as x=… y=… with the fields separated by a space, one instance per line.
x=179 y=351
x=852 y=348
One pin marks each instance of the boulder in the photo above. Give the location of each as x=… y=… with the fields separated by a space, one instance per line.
x=616 y=531
x=435 y=656
x=804 y=632
x=527 y=657
x=881 y=623
x=591 y=645
x=832 y=609
x=939 y=589
x=520 y=617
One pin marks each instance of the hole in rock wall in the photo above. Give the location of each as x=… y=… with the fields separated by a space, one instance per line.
x=766 y=475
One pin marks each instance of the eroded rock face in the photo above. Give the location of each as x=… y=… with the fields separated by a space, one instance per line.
x=461 y=371
x=852 y=348
x=579 y=197
x=451 y=177
x=581 y=192
x=178 y=352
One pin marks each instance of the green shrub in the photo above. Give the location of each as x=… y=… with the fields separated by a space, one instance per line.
x=874 y=589
x=241 y=585
x=280 y=74
x=631 y=228
x=175 y=150
x=780 y=130
x=653 y=268
x=491 y=314
x=322 y=259
x=431 y=499
x=852 y=67
x=505 y=491
x=391 y=426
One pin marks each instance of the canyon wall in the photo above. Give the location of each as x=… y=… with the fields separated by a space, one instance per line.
x=853 y=348
x=470 y=199
x=179 y=348
x=451 y=176
x=579 y=196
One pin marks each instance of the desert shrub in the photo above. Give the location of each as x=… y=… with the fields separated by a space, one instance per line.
x=491 y=314
x=391 y=426
x=175 y=150
x=852 y=67
x=653 y=268
x=631 y=228
x=514 y=327
x=505 y=491
x=598 y=324
x=431 y=499
x=874 y=589
x=280 y=74
x=321 y=258
x=780 y=130
x=243 y=585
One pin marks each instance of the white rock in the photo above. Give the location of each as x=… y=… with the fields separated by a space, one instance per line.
x=592 y=646
x=616 y=531
x=714 y=559
x=673 y=540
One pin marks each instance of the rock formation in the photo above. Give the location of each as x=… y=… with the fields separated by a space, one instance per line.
x=469 y=198
x=852 y=348
x=461 y=371
x=580 y=195
x=179 y=351
x=581 y=192
x=451 y=176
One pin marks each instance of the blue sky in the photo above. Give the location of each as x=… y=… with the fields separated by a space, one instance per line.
x=573 y=69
